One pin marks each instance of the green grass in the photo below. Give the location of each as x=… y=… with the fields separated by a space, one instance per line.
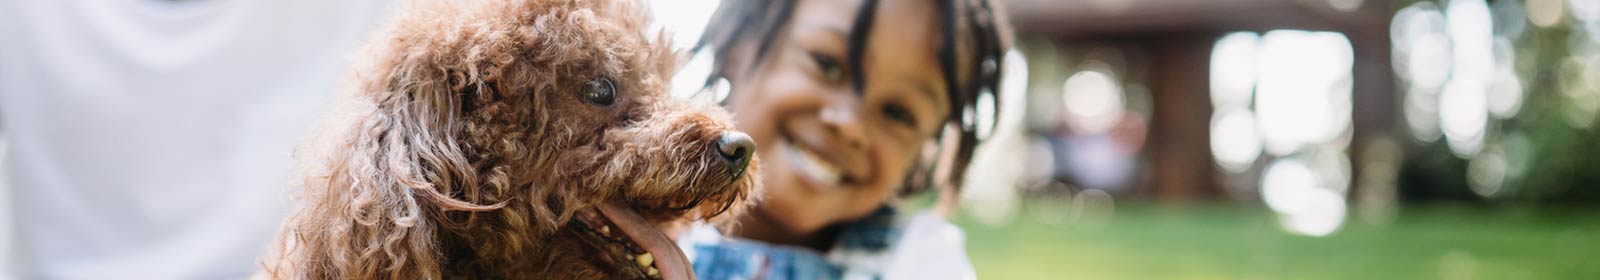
x=1143 y=241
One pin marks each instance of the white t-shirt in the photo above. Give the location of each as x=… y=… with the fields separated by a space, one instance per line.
x=152 y=139
x=931 y=248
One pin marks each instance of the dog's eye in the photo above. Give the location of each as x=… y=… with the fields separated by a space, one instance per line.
x=600 y=92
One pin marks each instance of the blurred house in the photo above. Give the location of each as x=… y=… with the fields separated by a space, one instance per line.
x=1161 y=55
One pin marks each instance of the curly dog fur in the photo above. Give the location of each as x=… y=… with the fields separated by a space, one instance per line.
x=463 y=147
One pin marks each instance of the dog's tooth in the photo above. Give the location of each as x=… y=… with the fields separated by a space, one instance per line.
x=644 y=260
x=653 y=272
x=605 y=230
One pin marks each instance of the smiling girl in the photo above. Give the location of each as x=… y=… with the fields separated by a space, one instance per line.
x=852 y=104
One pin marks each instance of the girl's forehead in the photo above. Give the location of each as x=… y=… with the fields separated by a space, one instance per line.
x=890 y=14
x=905 y=43
x=902 y=45
x=836 y=16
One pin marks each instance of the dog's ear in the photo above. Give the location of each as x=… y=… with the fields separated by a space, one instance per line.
x=395 y=177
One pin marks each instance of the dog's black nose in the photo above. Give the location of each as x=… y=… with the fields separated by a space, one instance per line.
x=736 y=148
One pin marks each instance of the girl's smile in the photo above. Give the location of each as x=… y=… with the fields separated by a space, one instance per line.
x=811 y=168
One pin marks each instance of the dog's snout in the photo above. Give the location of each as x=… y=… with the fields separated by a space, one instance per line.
x=736 y=149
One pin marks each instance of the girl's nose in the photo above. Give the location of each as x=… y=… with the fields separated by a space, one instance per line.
x=844 y=123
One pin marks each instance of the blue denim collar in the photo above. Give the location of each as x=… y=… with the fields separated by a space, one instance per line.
x=734 y=258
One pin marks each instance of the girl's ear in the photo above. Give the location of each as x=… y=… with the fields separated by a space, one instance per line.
x=928 y=169
x=935 y=168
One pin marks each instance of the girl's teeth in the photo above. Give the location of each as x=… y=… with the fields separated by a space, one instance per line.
x=812 y=166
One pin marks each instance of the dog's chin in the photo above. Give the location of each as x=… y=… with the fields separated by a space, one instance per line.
x=633 y=244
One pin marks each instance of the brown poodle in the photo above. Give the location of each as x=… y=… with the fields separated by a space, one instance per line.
x=511 y=139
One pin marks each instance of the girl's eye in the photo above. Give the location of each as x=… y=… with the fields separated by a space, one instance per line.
x=899 y=114
x=830 y=67
x=600 y=92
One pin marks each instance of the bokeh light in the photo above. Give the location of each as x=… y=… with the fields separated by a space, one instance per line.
x=1094 y=100
x=1464 y=115
x=1234 y=141
x=1422 y=61
x=1459 y=74
x=1301 y=83
x=1303 y=91
x=1233 y=70
x=1486 y=172
x=1545 y=13
x=1293 y=189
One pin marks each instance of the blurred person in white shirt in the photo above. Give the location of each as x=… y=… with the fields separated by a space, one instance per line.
x=152 y=139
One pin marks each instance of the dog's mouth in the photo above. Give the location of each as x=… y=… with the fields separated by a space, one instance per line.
x=624 y=232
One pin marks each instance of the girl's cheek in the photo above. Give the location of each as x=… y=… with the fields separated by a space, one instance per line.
x=891 y=160
x=755 y=110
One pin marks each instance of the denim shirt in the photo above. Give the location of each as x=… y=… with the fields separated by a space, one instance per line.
x=859 y=244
